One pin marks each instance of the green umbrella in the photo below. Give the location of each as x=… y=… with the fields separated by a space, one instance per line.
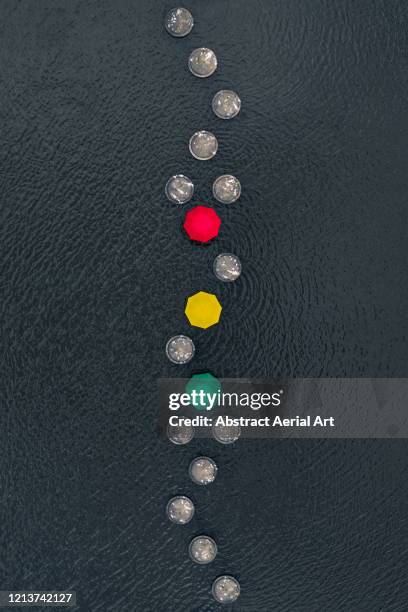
x=204 y=390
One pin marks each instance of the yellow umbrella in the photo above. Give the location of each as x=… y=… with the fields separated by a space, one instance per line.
x=203 y=309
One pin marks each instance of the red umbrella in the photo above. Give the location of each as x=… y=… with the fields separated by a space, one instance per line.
x=202 y=224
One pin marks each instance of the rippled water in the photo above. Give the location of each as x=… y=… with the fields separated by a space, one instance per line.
x=98 y=107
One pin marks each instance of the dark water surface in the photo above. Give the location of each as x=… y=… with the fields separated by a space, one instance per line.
x=97 y=107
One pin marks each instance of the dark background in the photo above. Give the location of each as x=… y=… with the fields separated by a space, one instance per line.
x=96 y=108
